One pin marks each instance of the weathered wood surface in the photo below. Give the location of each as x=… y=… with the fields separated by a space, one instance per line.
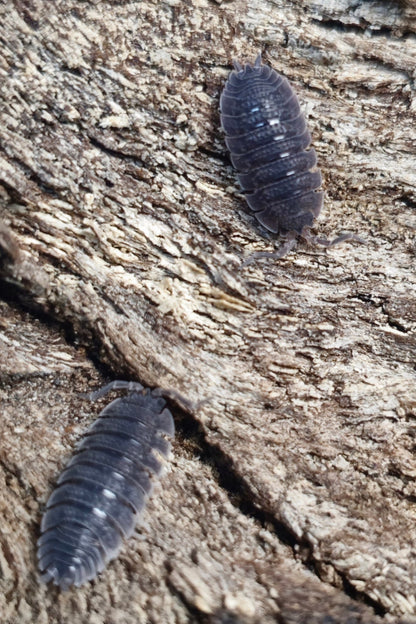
x=295 y=498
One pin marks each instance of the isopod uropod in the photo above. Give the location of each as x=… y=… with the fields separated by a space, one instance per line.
x=267 y=137
x=104 y=488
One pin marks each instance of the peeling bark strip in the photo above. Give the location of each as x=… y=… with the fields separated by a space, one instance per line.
x=117 y=193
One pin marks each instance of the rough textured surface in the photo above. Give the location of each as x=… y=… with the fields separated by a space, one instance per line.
x=294 y=499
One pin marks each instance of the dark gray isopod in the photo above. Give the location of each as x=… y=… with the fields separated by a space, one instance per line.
x=267 y=137
x=104 y=488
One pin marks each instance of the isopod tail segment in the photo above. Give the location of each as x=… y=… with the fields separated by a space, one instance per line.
x=238 y=67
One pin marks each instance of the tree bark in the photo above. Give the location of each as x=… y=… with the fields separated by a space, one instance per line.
x=292 y=487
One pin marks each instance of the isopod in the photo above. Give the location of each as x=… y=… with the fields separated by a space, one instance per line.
x=104 y=488
x=267 y=137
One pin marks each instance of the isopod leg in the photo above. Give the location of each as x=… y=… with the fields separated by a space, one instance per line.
x=342 y=238
x=347 y=236
x=283 y=251
x=117 y=384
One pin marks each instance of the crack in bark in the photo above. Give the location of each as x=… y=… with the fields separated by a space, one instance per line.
x=222 y=157
x=116 y=153
x=338 y=25
x=331 y=23
x=240 y=496
x=35 y=177
x=348 y=588
x=408 y=201
x=15 y=472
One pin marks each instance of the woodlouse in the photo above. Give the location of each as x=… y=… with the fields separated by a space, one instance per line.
x=104 y=488
x=267 y=137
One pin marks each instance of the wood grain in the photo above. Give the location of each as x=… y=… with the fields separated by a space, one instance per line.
x=121 y=219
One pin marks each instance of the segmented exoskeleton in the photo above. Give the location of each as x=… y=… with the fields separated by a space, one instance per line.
x=104 y=488
x=267 y=137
